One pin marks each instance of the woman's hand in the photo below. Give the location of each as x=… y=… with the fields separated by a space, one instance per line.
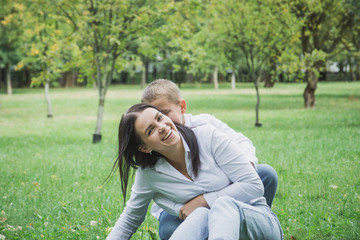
x=191 y=205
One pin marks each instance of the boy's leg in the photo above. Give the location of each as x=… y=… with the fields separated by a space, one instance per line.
x=194 y=227
x=167 y=225
x=232 y=220
x=269 y=178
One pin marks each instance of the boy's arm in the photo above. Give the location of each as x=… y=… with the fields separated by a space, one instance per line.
x=244 y=142
x=236 y=164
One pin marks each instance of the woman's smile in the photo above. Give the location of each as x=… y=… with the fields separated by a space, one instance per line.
x=168 y=135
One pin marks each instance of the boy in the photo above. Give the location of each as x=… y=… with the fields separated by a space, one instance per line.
x=167 y=97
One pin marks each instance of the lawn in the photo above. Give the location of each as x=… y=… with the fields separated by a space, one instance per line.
x=51 y=173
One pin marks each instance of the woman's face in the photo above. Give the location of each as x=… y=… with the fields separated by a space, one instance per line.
x=157 y=132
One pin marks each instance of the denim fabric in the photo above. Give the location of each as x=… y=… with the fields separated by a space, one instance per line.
x=229 y=219
x=168 y=223
x=269 y=178
x=232 y=220
x=195 y=227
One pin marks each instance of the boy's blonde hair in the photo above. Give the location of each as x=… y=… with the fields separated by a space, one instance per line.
x=161 y=88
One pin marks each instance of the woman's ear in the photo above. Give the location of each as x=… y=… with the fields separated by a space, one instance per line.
x=144 y=149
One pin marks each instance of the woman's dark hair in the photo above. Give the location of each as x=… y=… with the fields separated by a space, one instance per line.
x=129 y=155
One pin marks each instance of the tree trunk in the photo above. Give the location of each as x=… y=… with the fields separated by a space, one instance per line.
x=146 y=72
x=189 y=78
x=233 y=80
x=132 y=76
x=256 y=83
x=171 y=75
x=47 y=96
x=143 y=76
x=154 y=73
x=8 y=79
x=268 y=81
x=104 y=81
x=309 y=92
x=70 y=79
x=215 y=78
x=353 y=74
x=270 y=77
x=102 y=85
x=97 y=134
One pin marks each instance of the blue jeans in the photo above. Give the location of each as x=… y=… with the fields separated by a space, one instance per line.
x=168 y=223
x=269 y=178
x=229 y=219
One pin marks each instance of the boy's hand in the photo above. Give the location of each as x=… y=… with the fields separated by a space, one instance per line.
x=191 y=205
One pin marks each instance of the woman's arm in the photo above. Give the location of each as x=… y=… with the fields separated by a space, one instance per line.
x=236 y=164
x=168 y=205
x=178 y=209
x=135 y=211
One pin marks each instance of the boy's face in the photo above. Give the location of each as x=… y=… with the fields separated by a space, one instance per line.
x=173 y=111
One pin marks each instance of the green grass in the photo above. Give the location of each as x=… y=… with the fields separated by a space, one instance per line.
x=50 y=172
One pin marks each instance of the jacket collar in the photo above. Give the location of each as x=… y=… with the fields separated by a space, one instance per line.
x=162 y=166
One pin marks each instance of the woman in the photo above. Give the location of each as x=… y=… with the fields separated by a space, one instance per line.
x=189 y=173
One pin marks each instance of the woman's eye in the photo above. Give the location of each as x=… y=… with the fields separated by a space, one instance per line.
x=150 y=131
x=159 y=117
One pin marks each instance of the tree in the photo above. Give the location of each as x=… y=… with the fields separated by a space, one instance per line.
x=350 y=43
x=108 y=28
x=43 y=40
x=324 y=25
x=11 y=13
x=188 y=48
x=253 y=32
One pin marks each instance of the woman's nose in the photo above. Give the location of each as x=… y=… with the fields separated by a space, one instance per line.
x=162 y=127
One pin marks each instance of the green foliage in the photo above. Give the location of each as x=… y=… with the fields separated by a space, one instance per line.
x=10 y=28
x=251 y=34
x=106 y=32
x=50 y=172
x=43 y=37
x=324 y=24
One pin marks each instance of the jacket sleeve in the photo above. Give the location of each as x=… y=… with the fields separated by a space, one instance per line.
x=236 y=163
x=135 y=210
x=237 y=137
x=168 y=205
